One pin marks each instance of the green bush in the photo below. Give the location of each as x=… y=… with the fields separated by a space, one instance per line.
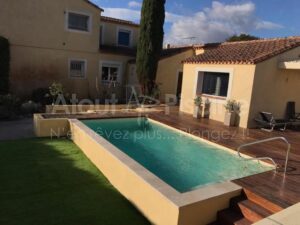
x=29 y=108
x=42 y=96
x=4 y=65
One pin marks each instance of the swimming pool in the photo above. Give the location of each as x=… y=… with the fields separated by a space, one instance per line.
x=183 y=162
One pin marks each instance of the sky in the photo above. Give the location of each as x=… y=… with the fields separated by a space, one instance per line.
x=206 y=21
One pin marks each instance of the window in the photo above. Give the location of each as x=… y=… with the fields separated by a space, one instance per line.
x=215 y=84
x=110 y=72
x=77 y=68
x=79 y=22
x=124 y=38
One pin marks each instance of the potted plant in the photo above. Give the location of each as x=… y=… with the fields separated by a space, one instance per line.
x=197 y=108
x=232 y=110
x=206 y=108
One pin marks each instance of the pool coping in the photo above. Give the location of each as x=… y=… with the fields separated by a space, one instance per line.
x=177 y=198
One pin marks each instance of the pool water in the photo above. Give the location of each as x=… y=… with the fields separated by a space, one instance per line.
x=180 y=160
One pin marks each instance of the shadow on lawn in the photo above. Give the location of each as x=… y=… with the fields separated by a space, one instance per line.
x=47 y=182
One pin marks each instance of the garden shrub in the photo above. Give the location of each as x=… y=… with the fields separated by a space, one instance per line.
x=4 y=65
x=42 y=96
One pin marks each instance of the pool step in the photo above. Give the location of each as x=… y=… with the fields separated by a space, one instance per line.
x=261 y=201
x=245 y=209
x=231 y=217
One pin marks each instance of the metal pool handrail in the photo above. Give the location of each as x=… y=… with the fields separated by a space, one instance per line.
x=268 y=158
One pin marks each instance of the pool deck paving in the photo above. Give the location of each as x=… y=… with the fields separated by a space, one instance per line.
x=16 y=129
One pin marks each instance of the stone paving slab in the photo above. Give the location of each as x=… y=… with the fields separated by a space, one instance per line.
x=17 y=129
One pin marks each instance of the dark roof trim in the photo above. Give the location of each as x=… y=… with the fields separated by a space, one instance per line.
x=119 y=21
x=117 y=50
x=92 y=4
x=169 y=52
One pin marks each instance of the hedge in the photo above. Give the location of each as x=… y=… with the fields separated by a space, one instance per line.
x=4 y=65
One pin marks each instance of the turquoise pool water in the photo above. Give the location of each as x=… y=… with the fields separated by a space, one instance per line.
x=181 y=161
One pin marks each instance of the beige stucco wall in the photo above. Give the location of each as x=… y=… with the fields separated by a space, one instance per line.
x=41 y=46
x=41 y=23
x=167 y=73
x=240 y=89
x=33 y=68
x=274 y=87
x=110 y=33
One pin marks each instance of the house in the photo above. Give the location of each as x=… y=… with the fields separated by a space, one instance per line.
x=263 y=75
x=70 y=42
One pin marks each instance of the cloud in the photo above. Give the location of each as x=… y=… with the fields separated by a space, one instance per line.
x=217 y=23
x=268 y=25
x=134 y=4
x=213 y=24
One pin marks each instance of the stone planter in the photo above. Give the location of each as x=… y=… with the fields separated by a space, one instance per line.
x=197 y=112
x=230 y=119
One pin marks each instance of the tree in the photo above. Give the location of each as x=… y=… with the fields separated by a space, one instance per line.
x=4 y=65
x=150 y=43
x=242 y=37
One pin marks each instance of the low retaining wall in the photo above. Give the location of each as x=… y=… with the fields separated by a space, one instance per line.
x=158 y=201
x=54 y=127
x=81 y=108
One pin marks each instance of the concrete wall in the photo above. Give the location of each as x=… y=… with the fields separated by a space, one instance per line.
x=167 y=73
x=274 y=87
x=110 y=33
x=240 y=89
x=55 y=128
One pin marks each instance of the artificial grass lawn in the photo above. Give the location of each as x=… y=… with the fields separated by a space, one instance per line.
x=47 y=182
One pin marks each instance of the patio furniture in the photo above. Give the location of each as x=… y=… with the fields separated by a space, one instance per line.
x=291 y=114
x=269 y=123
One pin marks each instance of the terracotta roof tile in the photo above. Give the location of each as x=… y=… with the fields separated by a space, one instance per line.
x=118 y=21
x=244 y=52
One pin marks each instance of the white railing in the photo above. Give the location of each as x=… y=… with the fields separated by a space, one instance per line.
x=268 y=158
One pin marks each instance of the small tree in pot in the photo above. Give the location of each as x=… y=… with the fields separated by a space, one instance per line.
x=197 y=108
x=232 y=110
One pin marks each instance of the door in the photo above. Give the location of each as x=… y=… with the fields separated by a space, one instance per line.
x=179 y=85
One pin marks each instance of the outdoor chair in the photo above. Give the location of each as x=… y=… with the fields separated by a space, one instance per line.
x=269 y=123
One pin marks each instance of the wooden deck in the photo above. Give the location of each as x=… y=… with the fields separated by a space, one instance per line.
x=281 y=190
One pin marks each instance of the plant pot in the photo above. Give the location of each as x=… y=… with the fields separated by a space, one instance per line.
x=206 y=111
x=230 y=119
x=197 y=112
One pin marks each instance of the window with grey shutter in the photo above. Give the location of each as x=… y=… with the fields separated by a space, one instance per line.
x=78 y=22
